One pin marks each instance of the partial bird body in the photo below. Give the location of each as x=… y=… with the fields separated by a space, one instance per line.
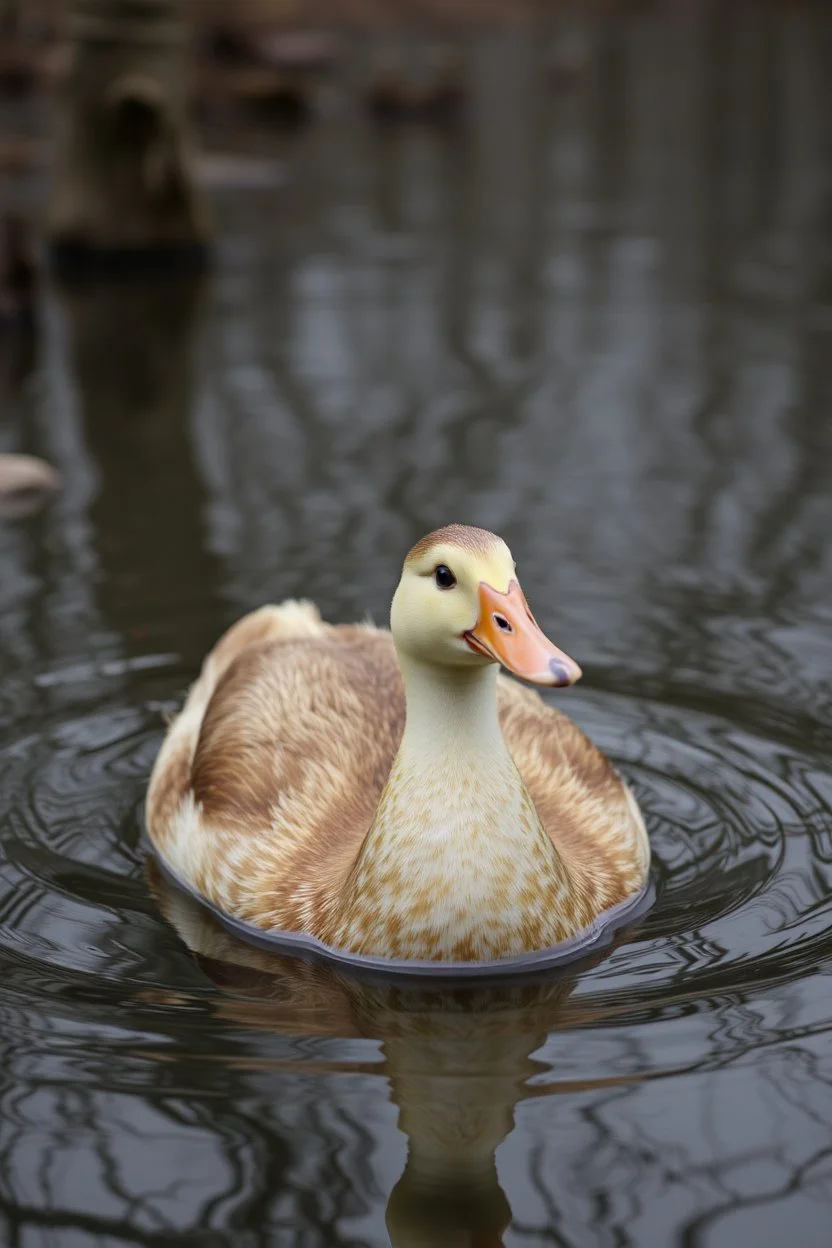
x=405 y=805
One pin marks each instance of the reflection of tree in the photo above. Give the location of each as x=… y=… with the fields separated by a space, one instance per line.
x=146 y=1207
x=48 y=612
x=131 y=352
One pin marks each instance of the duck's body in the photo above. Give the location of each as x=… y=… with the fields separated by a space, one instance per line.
x=388 y=805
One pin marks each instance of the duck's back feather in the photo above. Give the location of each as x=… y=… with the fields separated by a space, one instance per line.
x=269 y=779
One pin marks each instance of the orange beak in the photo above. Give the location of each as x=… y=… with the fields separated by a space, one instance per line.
x=507 y=633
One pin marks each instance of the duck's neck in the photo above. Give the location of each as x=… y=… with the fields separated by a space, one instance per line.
x=456 y=865
x=451 y=715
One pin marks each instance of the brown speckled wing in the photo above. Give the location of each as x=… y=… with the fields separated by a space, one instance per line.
x=295 y=746
x=580 y=798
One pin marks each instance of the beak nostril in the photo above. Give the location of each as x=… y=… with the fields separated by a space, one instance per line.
x=502 y=623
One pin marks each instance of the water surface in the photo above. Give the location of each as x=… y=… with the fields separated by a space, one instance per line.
x=595 y=315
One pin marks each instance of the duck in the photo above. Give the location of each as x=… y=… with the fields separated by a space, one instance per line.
x=26 y=483
x=389 y=792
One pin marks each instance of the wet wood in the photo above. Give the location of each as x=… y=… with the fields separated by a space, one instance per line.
x=125 y=187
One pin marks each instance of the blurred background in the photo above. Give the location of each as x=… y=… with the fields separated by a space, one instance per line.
x=283 y=286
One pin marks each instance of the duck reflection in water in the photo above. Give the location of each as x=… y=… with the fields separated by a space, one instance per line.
x=458 y=1061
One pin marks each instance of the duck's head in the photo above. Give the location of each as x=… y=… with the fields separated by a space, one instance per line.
x=459 y=604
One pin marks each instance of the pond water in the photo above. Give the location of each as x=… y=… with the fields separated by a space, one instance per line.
x=596 y=316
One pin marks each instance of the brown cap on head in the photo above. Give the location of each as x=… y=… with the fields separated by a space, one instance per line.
x=465 y=536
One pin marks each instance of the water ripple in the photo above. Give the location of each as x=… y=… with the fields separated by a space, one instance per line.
x=739 y=825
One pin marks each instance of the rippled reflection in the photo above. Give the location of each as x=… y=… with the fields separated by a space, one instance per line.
x=596 y=317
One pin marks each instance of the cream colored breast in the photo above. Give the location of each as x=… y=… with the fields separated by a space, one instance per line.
x=455 y=867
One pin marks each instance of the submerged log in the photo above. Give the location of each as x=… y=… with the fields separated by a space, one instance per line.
x=125 y=191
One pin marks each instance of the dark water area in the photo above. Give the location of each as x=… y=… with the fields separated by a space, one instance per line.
x=595 y=315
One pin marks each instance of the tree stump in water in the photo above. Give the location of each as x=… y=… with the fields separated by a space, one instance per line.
x=125 y=191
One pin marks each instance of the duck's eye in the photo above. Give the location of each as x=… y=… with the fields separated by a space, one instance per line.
x=444 y=577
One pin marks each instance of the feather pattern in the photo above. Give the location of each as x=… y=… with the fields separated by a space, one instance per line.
x=280 y=795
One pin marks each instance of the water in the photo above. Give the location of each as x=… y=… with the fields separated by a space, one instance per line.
x=596 y=317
